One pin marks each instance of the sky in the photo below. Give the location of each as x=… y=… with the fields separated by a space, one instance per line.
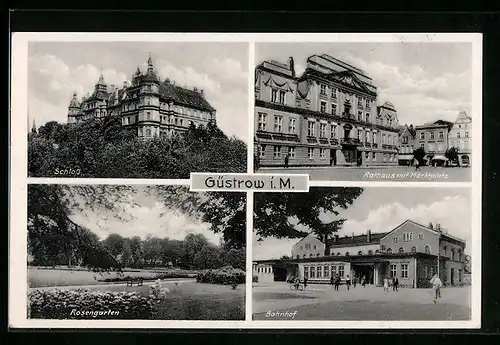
x=381 y=209
x=57 y=69
x=425 y=81
x=140 y=214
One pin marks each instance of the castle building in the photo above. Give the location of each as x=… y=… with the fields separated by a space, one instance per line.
x=147 y=105
x=326 y=116
x=460 y=137
x=412 y=252
x=407 y=136
x=433 y=138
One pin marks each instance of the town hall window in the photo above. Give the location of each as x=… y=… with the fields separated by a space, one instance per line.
x=262 y=150
x=306 y=272
x=262 y=121
x=322 y=130
x=292 y=126
x=333 y=131
x=322 y=106
x=277 y=151
x=278 y=124
x=310 y=128
x=322 y=153
x=427 y=249
x=326 y=272
x=341 y=271
x=310 y=153
x=274 y=95
x=291 y=151
x=282 y=97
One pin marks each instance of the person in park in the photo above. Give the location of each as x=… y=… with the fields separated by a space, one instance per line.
x=395 y=284
x=337 y=282
x=436 y=287
x=287 y=158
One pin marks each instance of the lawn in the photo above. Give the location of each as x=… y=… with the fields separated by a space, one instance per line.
x=64 y=277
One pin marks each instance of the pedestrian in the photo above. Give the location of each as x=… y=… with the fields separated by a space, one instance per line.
x=436 y=287
x=396 y=283
x=332 y=281
x=305 y=283
x=386 y=284
x=354 y=282
x=417 y=165
x=348 y=282
x=337 y=282
x=286 y=160
x=363 y=281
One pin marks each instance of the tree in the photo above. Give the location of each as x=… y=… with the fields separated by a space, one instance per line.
x=208 y=257
x=193 y=243
x=235 y=257
x=279 y=214
x=419 y=155
x=452 y=155
x=127 y=257
x=114 y=243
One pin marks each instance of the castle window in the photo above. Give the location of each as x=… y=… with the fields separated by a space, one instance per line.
x=323 y=106
x=389 y=251
x=274 y=95
x=262 y=153
x=413 y=249
x=148 y=116
x=148 y=132
x=401 y=250
x=262 y=121
x=282 y=97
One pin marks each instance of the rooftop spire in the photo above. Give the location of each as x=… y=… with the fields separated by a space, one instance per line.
x=150 y=60
x=101 y=78
x=33 y=128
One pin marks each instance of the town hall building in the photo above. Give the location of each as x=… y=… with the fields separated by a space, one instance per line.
x=411 y=251
x=147 y=105
x=326 y=116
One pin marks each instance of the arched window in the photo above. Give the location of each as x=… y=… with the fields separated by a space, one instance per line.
x=401 y=250
x=148 y=132
x=298 y=256
x=338 y=254
x=389 y=251
x=413 y=249
x=304 y=256
x=452 y=254
x=310 y=255
x=370 y=252
x=377 y=251
x=346 y=253
x=317 y=255
x=148 y=116
x=427 y=249
x=360 y=252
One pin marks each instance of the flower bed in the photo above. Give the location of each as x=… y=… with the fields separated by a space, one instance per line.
x=83 y=304
x=224 y=276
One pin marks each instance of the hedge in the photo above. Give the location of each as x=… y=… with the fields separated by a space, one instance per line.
x=83 y=304
x=160 y=276
x=224 y=276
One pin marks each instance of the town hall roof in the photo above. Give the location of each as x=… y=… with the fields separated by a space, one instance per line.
x=356 y=240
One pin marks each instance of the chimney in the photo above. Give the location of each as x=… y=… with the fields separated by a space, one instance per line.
x=368 y=235
x=202 y=93
x=438 y=227
x=195 y=89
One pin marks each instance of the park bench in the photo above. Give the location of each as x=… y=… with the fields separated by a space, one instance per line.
x=138 y=281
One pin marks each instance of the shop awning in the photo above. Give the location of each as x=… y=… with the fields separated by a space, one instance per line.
x=440 y=158
x=405 y=157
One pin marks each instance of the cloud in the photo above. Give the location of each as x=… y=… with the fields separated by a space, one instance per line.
x=52 y=83
x=419 y=97
x=155 y=221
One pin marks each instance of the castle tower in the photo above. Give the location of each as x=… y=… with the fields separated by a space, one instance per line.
x=149 y=109
x=101 y=85
x=73 y=109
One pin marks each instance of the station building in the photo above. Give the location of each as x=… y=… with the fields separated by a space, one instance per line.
x=411 y=251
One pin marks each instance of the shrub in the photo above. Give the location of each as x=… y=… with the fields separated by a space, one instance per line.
x=225 y=276
x=255 y=278
x=81 y=304
x=157 y=291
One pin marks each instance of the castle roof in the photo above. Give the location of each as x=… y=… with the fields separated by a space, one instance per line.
x=184 y=96
x=74 y=102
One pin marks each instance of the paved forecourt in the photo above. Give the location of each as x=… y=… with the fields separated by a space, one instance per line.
x=378 y=173
x=321 y=302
